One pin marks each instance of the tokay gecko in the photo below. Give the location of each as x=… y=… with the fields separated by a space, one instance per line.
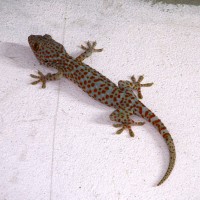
x=121 y=96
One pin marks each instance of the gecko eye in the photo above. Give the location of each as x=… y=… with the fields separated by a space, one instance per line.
x=36 y=47
x=46 y=36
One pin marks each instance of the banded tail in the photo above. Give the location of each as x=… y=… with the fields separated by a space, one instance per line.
x=142 y=111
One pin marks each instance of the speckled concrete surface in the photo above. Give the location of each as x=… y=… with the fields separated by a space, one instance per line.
x=58 y=144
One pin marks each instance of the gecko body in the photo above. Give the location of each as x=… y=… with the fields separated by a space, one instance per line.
x=121 y=96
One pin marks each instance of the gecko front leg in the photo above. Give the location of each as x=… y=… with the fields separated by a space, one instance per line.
x=88 y=51
x=48 y=77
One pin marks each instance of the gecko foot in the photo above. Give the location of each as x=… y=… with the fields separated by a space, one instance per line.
x=41 y=78
x=137 y=85
x=127 y=126
x=91 y=47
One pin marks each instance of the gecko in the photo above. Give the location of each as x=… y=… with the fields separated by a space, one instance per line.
x=121 y=97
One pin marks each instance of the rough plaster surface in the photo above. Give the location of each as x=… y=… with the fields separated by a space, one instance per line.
x=58 y=144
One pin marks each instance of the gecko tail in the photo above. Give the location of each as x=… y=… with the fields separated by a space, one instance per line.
x=142 y=111
x=172 y=151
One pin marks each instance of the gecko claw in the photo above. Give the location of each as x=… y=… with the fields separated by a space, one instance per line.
x=120 y=131
x=131 y=133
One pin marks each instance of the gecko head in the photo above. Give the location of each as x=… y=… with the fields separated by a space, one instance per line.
x=35 y=41
x=45 y=48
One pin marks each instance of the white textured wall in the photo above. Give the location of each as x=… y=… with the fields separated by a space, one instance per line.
x=58 y=144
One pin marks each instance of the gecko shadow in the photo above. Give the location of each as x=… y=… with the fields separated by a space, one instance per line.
x=25 y=59
x=19 y=54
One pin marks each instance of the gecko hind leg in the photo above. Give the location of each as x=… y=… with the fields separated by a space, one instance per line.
x=88 y=51
x=137 y=85
x=124 y=121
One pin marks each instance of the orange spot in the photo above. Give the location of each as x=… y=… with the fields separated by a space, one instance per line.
x=146 y=113
x=155 y=122
x=140 y=110
x=151 y=116
x=166 y=135
x=163 y=128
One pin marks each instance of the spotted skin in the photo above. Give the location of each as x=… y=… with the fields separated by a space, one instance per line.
x=121 y=96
